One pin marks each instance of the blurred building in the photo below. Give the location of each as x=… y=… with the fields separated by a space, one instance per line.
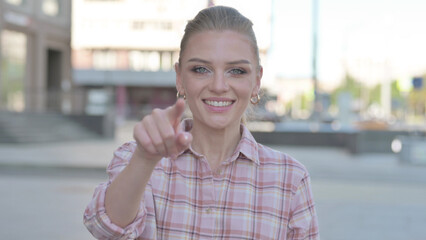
x=124 y=51
x=35 y=73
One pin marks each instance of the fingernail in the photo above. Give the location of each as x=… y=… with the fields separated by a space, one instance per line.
x=185 y=137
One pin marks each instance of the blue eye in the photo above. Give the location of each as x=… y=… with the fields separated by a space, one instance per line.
x=200 y=70
x=237 y=71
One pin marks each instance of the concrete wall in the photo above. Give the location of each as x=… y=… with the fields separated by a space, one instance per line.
x=355 y=142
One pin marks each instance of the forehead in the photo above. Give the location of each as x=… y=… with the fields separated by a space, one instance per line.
x=219 y=45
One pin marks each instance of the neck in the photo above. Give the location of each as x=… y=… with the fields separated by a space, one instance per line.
x=216 y=145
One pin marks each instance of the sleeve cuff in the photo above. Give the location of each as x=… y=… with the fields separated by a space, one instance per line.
x=101 y=226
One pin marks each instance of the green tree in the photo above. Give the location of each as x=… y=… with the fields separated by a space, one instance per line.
x=375 y=94
x=350 y=85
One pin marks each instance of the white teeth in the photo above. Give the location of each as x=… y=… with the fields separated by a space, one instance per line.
x=218 y=103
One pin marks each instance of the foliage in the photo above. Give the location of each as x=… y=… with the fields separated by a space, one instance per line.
x=375 y=94
x=350 y=85
x=306 y=100
x=376 y=91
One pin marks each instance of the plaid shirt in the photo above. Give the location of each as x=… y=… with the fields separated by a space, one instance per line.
x=258 y=193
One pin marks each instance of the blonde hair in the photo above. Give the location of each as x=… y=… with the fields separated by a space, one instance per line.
x=220 y=18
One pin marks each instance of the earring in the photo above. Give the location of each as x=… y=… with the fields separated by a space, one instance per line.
x=179 y=96
x=255 y=100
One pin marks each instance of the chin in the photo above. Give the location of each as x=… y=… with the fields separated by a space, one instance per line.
x=220 y=122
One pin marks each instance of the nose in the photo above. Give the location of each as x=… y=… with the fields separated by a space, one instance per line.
x=219 y=83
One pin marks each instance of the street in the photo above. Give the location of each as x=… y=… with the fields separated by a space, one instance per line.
x=357 y=197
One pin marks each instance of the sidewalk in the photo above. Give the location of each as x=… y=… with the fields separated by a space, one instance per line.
x=82 y=154
x=323 y=162
x=369 y=196
x=85 y=154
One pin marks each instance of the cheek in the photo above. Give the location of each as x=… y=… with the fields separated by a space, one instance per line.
x=245 y=89
x=187 y=84
x=191 y=89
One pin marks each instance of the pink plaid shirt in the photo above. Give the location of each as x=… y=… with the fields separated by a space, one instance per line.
x=258 y=193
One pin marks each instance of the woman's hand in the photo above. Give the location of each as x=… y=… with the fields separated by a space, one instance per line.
x=160 y=134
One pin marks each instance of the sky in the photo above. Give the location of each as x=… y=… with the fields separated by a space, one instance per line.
x=376 y=39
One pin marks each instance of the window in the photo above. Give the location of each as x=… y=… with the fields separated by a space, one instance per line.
x=104 y=59
x=138 y=25
x=144 y=61
x=14 y=50
x=166 y=61
x=51 y=8
x=152 y=25
x=16 y=2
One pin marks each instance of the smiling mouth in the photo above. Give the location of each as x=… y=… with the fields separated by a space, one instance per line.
x=218 y=103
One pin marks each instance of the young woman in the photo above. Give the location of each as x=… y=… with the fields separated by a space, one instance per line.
x=205 y=177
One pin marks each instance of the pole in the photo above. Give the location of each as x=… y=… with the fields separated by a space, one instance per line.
x=316 y=108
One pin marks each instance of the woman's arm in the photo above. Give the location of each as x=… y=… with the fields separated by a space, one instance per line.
x=303 y=223
x=95 y=217
x=158 y=135
x=124 y=195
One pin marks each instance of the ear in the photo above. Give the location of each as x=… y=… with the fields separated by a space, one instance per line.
x=258 y=81
x=179 y=84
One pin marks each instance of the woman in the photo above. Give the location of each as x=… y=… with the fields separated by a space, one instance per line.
x=205 y=177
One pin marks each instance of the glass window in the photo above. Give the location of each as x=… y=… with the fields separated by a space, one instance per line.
x=145 y=61
x=13 y=64
x=16 y=2
x=166 y=61
x=135 y=60
x=152 y=25
x=106 y=60
x=153 y=61
x=51 y=8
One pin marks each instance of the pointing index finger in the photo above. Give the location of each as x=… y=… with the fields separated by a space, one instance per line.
x=175 y=112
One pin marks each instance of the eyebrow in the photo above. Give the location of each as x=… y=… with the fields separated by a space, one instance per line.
x=242 y=61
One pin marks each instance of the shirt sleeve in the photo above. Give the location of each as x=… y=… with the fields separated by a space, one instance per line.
x=95 y=217
x=303 y=223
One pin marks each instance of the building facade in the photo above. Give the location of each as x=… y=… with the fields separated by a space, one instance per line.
x=125 y=50
x=35 y=56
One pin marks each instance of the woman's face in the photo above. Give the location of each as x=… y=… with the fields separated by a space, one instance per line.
x=218 y=73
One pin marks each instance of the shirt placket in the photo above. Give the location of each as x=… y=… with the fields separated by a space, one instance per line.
x=208 y=208
x=218 y=190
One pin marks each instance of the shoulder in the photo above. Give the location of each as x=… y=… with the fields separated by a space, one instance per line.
x=282 y=162
x=271 y=161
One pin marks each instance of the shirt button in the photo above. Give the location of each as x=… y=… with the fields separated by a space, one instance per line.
x=208 y=210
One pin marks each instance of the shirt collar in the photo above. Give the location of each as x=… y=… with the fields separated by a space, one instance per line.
x=247 y=147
